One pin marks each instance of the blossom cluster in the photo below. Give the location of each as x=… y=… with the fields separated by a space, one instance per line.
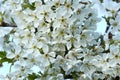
x=59 y=39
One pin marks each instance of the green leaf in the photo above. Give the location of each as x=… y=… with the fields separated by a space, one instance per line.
x=101 y=1
x=13 y=22
x=28 y=5
x=4 y=58
x=6 y=38
x=4 y=1
x=1 y=18
x=41 y=51
x=12 y=31
x=33 y=76
x=2 y=54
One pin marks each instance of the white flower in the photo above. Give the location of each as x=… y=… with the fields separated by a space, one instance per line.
x=59 y=38
x=85 y=38
x=44 y=27
x=104 y=61
x=44 y=11
x=115 y=24
x=88 y=69
x=112 y=6
x=15 y=52
x=23 y=37
x=72 y=55
x=33 y=47
x=47 y=59
x=114 y=50
x=30 y=15
x=32 y=60
x=59 y=34
x=60 y=77
x=62 y=18
x=1 y=43
x=72 y=41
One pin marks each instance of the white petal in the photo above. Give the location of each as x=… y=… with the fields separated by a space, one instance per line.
x=52 y=54
x=45 y=48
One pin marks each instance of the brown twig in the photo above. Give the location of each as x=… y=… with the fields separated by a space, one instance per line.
x=3 y=24
x=43 y=2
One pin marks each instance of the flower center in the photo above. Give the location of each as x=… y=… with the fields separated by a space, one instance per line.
x=115 y=24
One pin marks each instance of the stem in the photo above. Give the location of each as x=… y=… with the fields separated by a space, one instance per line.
x=108 y=24
x=10 y=68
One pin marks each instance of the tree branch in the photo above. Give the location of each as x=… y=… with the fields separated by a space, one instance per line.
x=3 y=24
x=43 y=2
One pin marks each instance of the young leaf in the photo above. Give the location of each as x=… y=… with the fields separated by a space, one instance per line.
x=2 y=54
x=28 y=5
x=101 y=1
x=33 y=76
x=4 y=58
